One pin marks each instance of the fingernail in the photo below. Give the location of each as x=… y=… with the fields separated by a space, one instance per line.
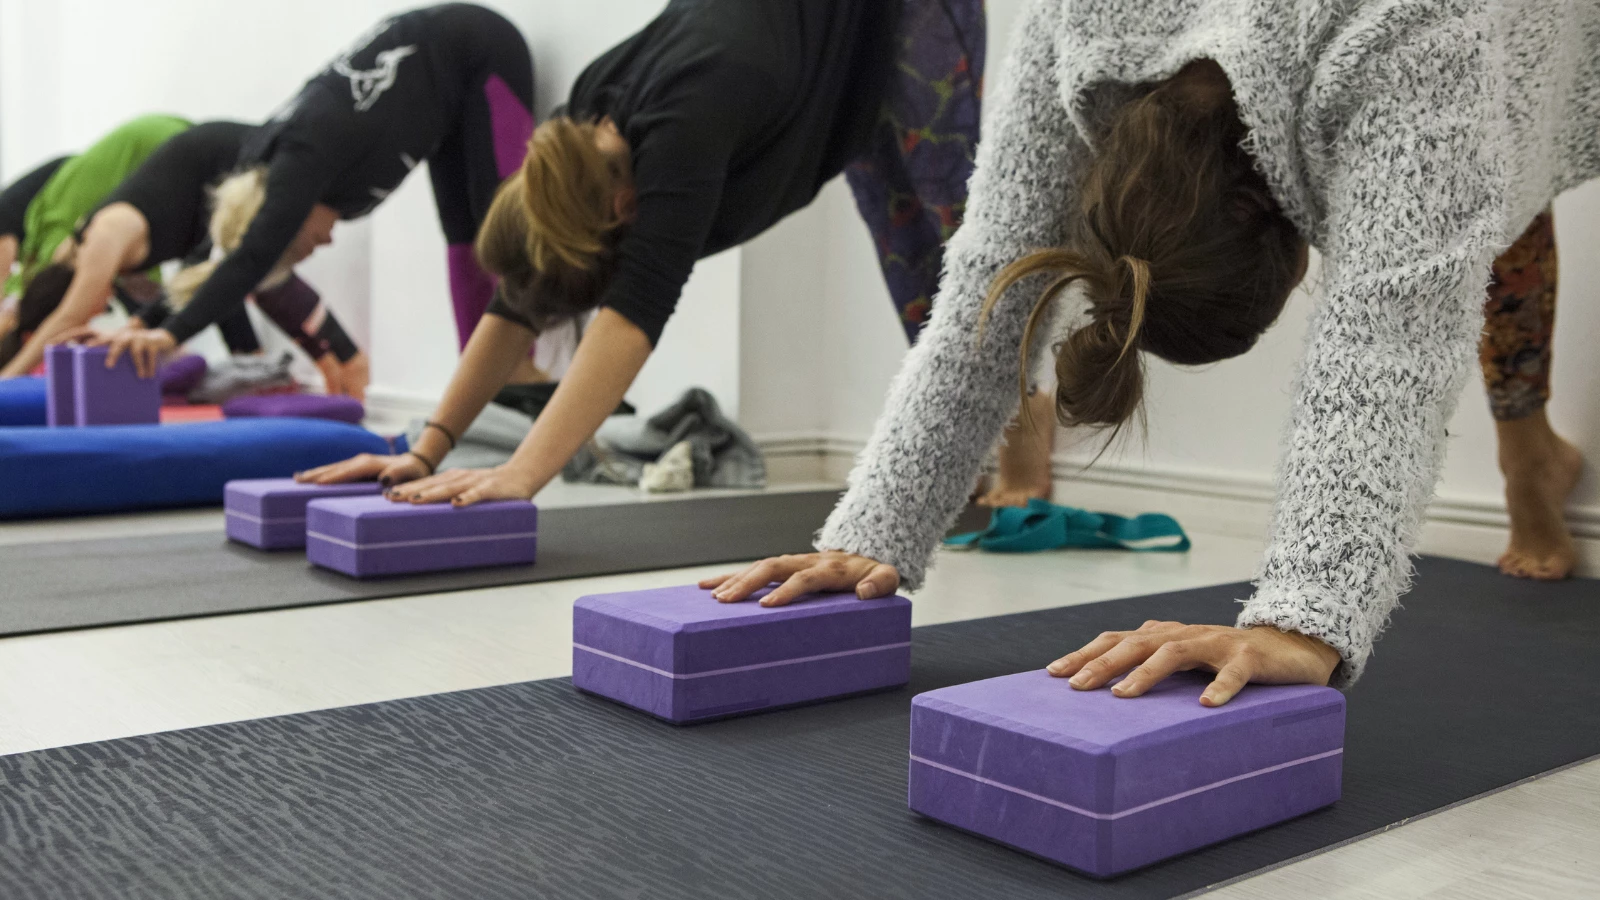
x=1120 y=688
x=1079 y=680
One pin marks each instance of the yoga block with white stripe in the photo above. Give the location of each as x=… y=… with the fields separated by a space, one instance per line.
x=114 y=396
x=270 y=513
x=59 y=411
x=678 y=654
x=367 y=537
x=1104 y=784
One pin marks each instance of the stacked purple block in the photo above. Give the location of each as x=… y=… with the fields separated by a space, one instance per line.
x=1104 y=784
x=114 y=396
x=678 y=654
x=366 y=537
x=58 y=374
x=270 y=513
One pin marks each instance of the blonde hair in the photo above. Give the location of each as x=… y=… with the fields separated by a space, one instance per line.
x=235 y=201
x=552 y=229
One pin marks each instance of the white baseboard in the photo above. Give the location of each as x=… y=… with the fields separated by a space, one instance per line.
x=1461 y=527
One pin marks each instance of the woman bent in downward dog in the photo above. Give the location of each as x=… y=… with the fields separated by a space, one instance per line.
x=1172 y=161
x=695 y=135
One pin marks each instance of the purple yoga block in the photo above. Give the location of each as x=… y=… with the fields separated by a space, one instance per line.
x=114 y=396
x=678 y=654
x=367 y=537
x=58 y=373
x=270 y=513
x=1104 y=784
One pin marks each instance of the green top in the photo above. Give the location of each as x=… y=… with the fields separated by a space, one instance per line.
x=81 y=184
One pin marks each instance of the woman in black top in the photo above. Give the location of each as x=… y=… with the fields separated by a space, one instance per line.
x=161 y=213
x=696 y=134
x=450 y=85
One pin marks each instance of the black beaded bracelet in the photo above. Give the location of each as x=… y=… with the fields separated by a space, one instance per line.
x=442 y=430
x=432 y=466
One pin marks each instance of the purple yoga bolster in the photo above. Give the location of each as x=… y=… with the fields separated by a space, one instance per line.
x=182 y=374
x=114 y=396
x=371 y=536
x=58 y=374
x=270 y=513
x=678 y=654
x=303 y=406
x=1104 y=784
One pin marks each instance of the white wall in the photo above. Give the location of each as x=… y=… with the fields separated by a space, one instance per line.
x=70 y=70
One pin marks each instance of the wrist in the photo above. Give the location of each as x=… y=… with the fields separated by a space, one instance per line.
x=1325 y=653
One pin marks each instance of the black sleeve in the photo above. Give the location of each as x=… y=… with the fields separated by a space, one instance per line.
x=499 y=307
x=296 y=180
x=297 y=308
x=681 y=167
x=15 y=198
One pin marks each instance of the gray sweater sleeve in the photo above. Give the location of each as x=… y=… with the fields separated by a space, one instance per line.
x=1414 y=196
x=954 y=393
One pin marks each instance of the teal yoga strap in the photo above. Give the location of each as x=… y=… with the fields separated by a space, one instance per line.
x=1044 y=526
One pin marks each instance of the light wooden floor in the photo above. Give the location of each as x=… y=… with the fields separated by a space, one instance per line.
x=1540 y=839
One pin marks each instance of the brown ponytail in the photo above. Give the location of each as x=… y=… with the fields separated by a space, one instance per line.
x=1178 y=247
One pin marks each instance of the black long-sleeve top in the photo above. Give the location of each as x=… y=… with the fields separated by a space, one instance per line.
x=169 y=188
x=736 y=113
x=349 y=138
x=18 y=194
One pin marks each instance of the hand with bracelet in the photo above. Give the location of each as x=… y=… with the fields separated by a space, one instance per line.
x=390 y=470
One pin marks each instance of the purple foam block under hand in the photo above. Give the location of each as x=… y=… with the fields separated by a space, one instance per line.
x=270 y=513
x=114 y=396
x=59 y=406
x=303 y=406
x=678 y=654
x=367 y=537
x=1105 y=784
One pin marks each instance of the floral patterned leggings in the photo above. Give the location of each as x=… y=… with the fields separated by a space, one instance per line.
x=1520 y=317
x=911 y=184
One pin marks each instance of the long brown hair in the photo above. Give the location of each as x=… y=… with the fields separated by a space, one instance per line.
x=1178 y=244
x=551 y=233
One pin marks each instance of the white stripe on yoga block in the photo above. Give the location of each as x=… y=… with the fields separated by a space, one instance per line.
x=1127 y=812
x=288 y=520
x=766 y=665
x=429 y=542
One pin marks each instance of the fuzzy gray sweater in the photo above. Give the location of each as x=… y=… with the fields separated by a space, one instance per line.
x=1408 y=140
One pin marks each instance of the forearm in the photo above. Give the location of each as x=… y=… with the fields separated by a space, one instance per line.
x=1364 y=451
x=491 y=355
x=609 y=357
x=85 y=299
x=954 y=392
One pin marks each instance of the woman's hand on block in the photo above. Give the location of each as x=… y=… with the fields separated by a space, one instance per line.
x=464 y=487
x=1238 y=655
x=145 y=345
x=387 y=470
x=807 y=573
x=347 y=378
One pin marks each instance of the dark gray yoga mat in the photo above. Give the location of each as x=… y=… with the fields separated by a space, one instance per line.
x=534 y=790
x=79 y=584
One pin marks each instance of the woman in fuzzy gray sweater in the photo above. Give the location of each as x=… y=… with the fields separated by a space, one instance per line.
x=1169 y=161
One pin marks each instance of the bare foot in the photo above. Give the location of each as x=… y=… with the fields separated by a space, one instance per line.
x=1540 y=470
x=1025 y=458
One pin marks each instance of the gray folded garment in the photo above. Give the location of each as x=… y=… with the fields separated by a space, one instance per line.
x=237 y=376
x=724 y=455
